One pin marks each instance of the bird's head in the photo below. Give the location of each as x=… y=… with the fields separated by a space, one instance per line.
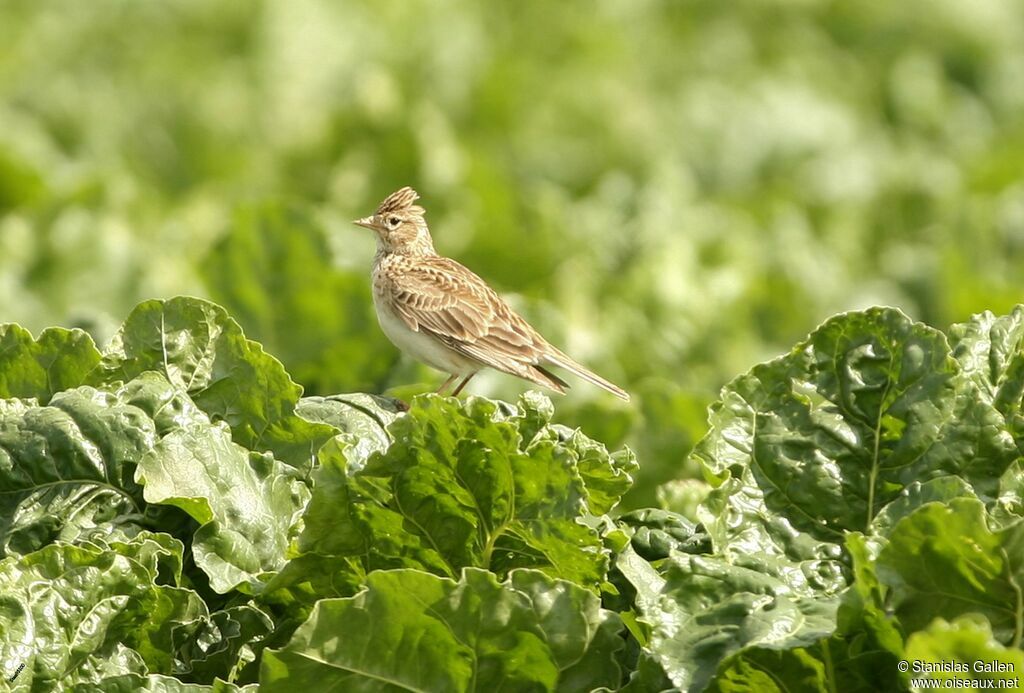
x=399 y=224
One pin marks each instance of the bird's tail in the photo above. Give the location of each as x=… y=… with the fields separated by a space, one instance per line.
x=557 y=358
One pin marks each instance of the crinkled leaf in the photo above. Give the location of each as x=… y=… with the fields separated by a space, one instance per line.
x=364 y=418
x=818 y=442
x=943 y=560
x=83 y=613
x=38 y=368
x=248 y=504
x=834 y=430
x=940 y=490
x=202 y=350
x=222 y=644
x=770 y=670
x=965 y=644
x=1009 y=505
x=418 y=631
x=702 y=609
x=460 y=487
x=990 y=350
x=606 y=476
x=157 y=683
x=740 y=525
x=861 y=656
x=654 y=533
x=862 y=610
x=67 y=468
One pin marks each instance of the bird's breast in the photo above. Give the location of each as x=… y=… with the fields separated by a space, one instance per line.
x=421 y=346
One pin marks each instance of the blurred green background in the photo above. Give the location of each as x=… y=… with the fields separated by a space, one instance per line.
x=671 y=191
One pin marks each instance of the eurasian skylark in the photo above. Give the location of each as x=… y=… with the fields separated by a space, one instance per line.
x=442 y=314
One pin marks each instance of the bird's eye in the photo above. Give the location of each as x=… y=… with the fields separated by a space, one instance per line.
x=393 y=221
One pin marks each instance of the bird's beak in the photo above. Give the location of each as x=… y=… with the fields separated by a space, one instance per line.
x=366 y=222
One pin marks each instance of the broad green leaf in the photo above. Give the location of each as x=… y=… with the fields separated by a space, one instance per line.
x=967 y=646
x=157 y=683
x=78 y=614
x=654 y=533
x=202 y=350
x=942 y=489
x=67 y=468
x=1009 y=505
x=861 y=656
x=834 y=430
x=417 y=631
x=460 y=486
x=702 y=609
x=274 y=272
x=740 y=524
x=648 y=677
x=39 y=368
x=944 y=561
x=990 y=350
x=159 y=553
x=247 y=503
x=774 y=671
x=222 y=644
x=605 y=476
x=816 y=443
x=365 y=418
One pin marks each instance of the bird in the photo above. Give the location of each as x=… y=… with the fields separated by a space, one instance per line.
x=442 y=314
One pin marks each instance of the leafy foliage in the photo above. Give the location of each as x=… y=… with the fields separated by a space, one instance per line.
x=196 y=524
x=421 y=632
x=670 y=191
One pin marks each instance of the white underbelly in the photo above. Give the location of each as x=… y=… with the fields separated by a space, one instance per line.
x=422 y=347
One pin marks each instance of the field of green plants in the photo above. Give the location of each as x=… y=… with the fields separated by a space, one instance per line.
x=207 y=478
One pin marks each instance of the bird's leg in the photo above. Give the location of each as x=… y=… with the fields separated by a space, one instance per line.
x=445 y=384
x=462 y=384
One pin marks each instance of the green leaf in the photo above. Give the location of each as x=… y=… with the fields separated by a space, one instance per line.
x=834 y=430
x=68 y=467
x=654 y=533
x=157 y=683
x=82 y=613
x=414 y=630
x=944 y=561
x=39 y=368
x=990 y=350
x=916 y=494
x=965 y=645
x=702 y=609
x=461 y=486
x=741 y=524
x=202 y=350
x=861 y=656
x=365 y=418
x=1009 y=505
x=224 y=643
x=248 y=504
x=773 y=671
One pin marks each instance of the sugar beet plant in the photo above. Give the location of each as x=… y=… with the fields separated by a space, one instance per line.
x=175 y=516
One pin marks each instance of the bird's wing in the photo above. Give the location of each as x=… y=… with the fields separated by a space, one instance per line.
x=438 y=295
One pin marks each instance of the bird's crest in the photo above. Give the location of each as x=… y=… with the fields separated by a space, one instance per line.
x=401 y=201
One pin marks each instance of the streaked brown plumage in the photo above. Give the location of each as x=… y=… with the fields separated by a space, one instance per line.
x=445 y=315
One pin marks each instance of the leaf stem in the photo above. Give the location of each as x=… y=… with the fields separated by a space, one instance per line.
x=1018 y=630
x=830 y=674
x=489 y=546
